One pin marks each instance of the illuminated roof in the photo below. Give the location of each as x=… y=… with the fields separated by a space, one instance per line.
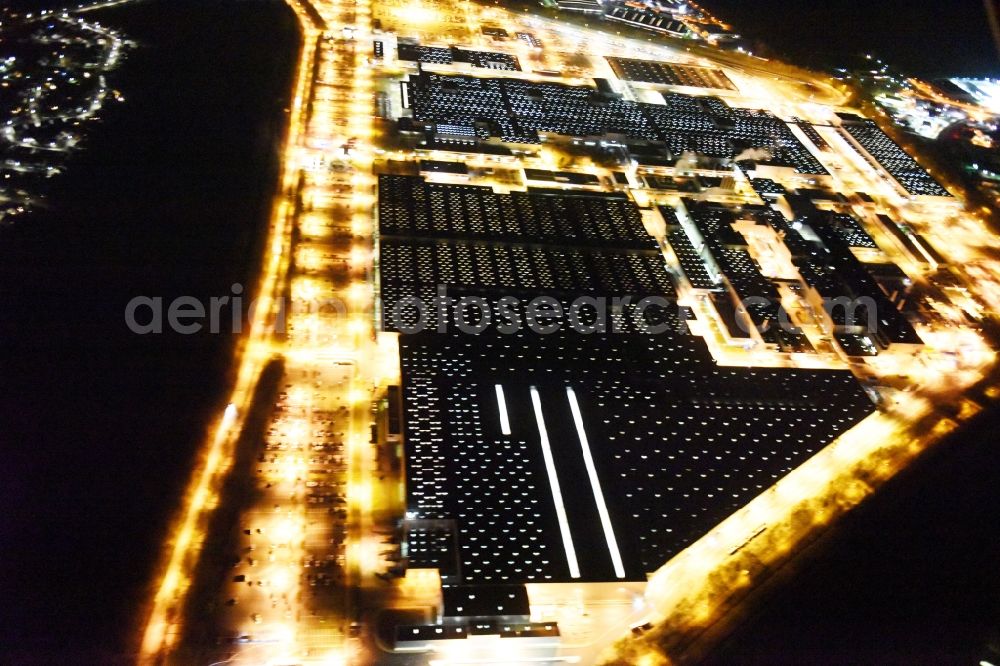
x=677 y=444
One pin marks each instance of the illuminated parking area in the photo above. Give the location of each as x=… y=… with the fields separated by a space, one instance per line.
x=327 y=490
x=301 y=542
x=165 y=621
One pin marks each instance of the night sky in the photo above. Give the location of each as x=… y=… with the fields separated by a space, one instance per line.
x=932 y=39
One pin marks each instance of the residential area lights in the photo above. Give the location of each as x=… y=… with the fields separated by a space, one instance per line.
x=54 y=83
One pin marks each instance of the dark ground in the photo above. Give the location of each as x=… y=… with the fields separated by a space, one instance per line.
x=911 y=577
x=99 y=425
x=931 y=39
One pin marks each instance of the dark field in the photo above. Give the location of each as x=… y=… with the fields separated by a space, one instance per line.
x=99 y=425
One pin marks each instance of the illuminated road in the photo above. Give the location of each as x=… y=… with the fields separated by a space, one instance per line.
x=316 y=486
x=164 y=619
x=100 y=5
x=928 y=92
x=306 y=542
